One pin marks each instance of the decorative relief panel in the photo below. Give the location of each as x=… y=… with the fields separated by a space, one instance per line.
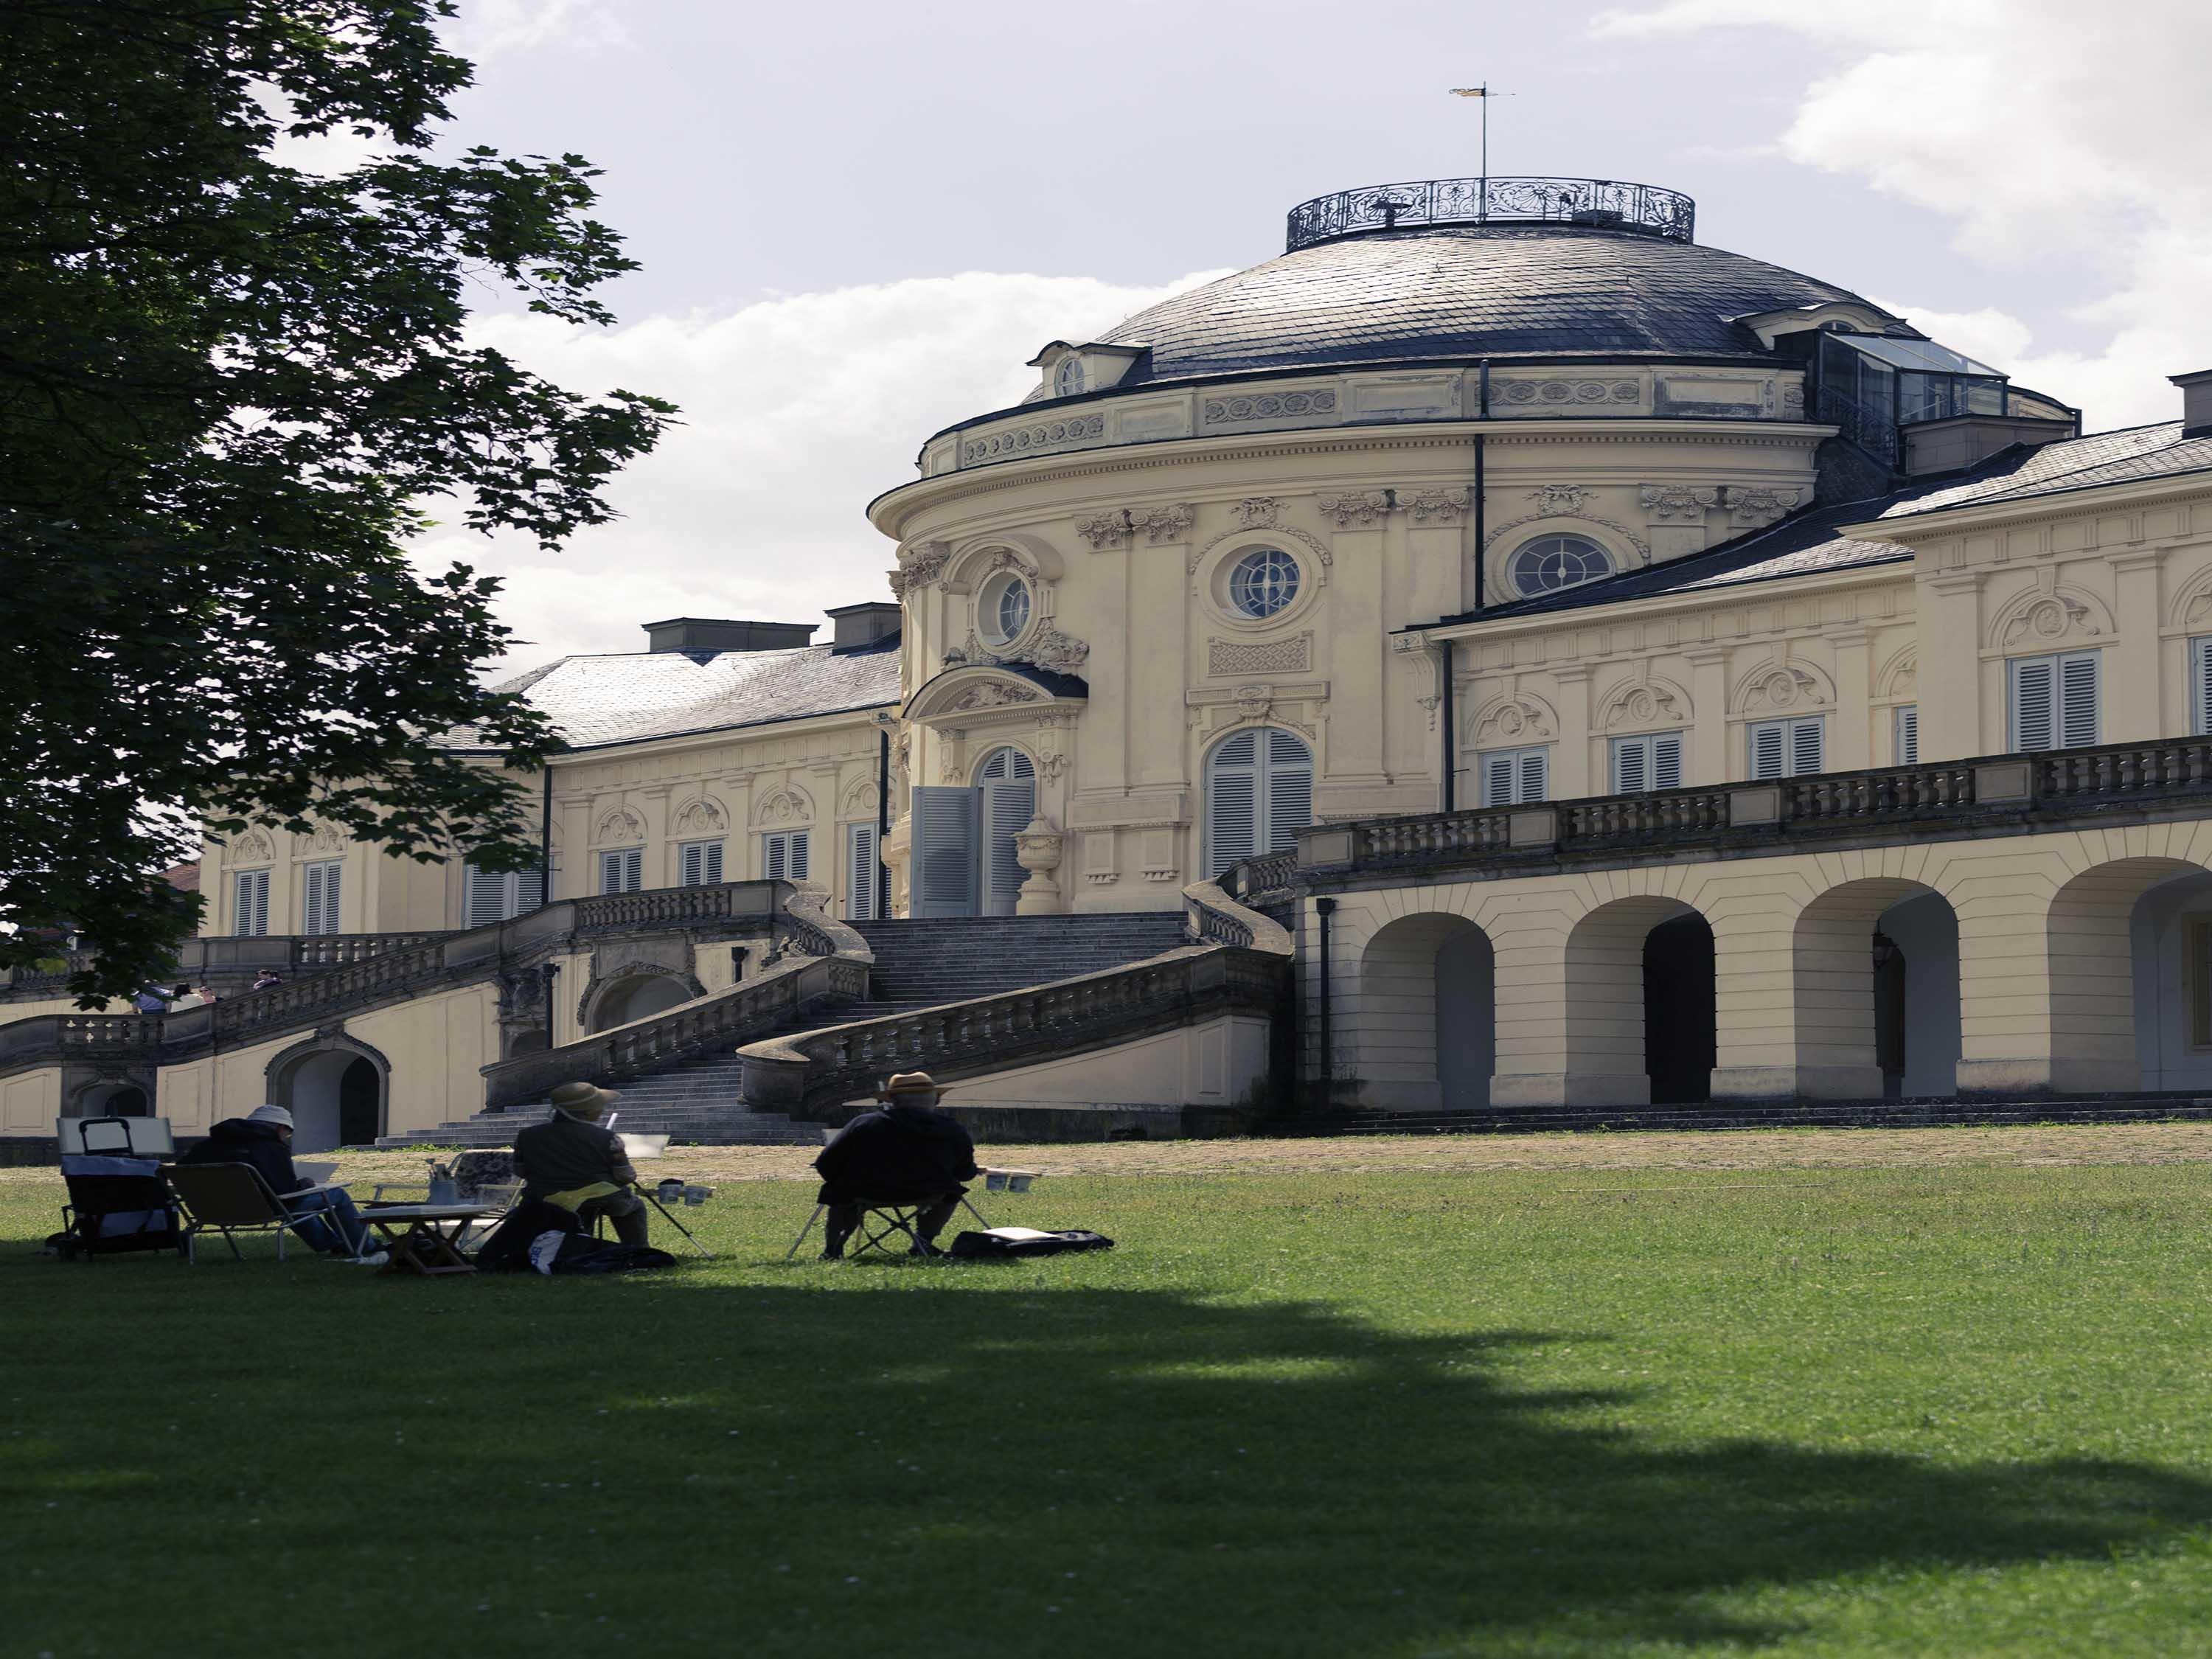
x=787 y=805
x=1677 y=503
x=1255 y=512
x=1435 y=505
x=1364 y=507
x=1104 y=530
x=1640 y=704
x=1165 y=524
x=252 y=847
x=1779 y=689
x=1751 y=506
x=2047 y=620
x=1557 y=394
x=921 y=564
x=992 y=694
x=1044 y=435
x=328 y=839
x=1292 y=656
x=1508 y=720
x=700 y=817
x=1268 y=406
x=1560 y=498
x=622 y=825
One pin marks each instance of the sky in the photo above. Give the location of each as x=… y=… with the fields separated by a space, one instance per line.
x=857 y=219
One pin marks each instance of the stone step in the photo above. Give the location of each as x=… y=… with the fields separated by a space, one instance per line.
x=1537 y=1119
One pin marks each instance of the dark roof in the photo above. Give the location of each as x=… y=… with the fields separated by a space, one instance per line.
x=624 y=698
x=1468 y=291
x=1811 y=543
x=1051 y=680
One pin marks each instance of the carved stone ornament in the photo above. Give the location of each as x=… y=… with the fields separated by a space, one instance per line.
x=1052 y=766
x=622 y=825
x=1038 y=848
x=328 y=839
x=1254 y=703
x=1779 y=689
x=1510 y=719
x=922 y=563
x=1053 y=649
x=1644 y=704
x=700 y=818
x=1751 y=506
x=1256 y=512
x=1166 y=524
x=2051 y=618
x=1435 y=505
x=784 y=805
x=1677 y=503
x=1291 y=656
x=1559 y=498
x=992 y=694
x=252 y=847
x=1365 y=508
x=1104 y=530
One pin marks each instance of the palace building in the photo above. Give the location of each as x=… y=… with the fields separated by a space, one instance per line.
x=1500 y=655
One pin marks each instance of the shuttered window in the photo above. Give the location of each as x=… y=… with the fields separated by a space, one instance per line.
x=863 y=873
x=699 y=864
x=945 y=822
x=1514 y=777
x=1007 y=779
x=2053 y=701
x=2200 y=685
x=783 y=855
x=318 y=883
x=249 y=906
x=1649 y=761
x=1259 y=794
x=491 y=896
x=1786 y=749
x=1908 y=735
x=621 y=870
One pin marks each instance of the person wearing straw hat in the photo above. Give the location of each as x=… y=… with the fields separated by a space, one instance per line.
x=908 y=1153
x=573 y=1160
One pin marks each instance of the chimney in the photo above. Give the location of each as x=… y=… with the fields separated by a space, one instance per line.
x=863 y=627
x=2195 y=403
x=705 y=636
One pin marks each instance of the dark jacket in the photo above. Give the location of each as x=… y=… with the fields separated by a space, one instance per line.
x=240 y=1140
x=564 y=1152
x=899 y=1153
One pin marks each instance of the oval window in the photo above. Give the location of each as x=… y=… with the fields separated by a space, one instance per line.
x=1551 y=562
x=1263 y=582
x=1068 y=379
x=1006 y=609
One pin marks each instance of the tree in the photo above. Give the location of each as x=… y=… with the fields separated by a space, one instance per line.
x=225 y=384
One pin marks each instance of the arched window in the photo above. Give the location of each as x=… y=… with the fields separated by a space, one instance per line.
x=1263 y=582
x=1259 y=794
x=1068 y=379
x=1008 y=783
x=1554 y=561
x=1004 y=608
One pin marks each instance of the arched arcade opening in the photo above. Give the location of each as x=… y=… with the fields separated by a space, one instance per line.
x=335 y=1091
x=1427 y=1025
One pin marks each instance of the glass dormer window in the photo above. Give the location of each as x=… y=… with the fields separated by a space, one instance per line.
x=1068 y=379
x=1872 y=384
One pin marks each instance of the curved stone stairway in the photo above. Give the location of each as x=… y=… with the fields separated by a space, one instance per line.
x=919 y=965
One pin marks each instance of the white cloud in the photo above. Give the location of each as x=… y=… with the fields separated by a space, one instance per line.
x=2048 y=132
x=797 y=412
x=488 y=28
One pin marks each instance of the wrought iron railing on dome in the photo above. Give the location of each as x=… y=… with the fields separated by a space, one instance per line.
x=1602 y=204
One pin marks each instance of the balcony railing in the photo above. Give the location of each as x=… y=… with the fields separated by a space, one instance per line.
x=1602 y=204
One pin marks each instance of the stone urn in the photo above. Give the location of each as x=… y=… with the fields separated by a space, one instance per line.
x=1037 y=850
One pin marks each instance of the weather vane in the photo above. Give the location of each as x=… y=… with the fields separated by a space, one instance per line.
x=1484 y=93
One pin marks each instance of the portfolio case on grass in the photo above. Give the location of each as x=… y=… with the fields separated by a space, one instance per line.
x=115 y=1204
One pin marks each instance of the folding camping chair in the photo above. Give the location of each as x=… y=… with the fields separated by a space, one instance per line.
x=115 y=1204
x=881 y=1222
x=232 y=1198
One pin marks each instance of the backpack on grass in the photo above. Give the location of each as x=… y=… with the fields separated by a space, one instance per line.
x=1008 y=1243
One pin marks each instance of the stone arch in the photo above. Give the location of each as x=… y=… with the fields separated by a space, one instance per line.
x=632 y=991
x=253 y=847
x=1777 y=687
x=2192 y=604
x=1642 y=703
x=2048 y=617
x=618 y=826
x=2091 y=1007
x=1627 y=549
x=785 y=804
x=1851 y=980
x=1897 y=680
x=861 y=800
x=338 y=1088
x=1617 y=1054
x=110 y=1097
x=970 y=562
x=698 y=817
x=1427 y=1014
x=1510 y=718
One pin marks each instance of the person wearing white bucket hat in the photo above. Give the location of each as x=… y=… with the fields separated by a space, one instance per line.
x=262 y=1140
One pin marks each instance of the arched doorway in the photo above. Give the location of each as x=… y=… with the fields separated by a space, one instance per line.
x=1424 y=1027
x=335 y=1090
x=2171 y=941
x=1259 y=794
x=635 y=996
x=1007 y=780
x=2105 y=1007
x=1875 y=967
x=1680 y=1028
x=110 y=1099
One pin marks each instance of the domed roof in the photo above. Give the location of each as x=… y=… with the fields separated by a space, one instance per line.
x=1460 y=291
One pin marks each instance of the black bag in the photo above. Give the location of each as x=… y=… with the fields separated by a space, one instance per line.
x=579 y=1254
x=1006 y=1244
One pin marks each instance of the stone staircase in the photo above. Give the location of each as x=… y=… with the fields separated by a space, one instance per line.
x=1837 y=1115
x=919 y=965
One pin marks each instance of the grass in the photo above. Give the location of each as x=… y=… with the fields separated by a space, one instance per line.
x=1304 y=1411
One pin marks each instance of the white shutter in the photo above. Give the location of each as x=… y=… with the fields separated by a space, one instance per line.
x=1535 y=775
x=2200 y=686
x=621 y=870
x=529 y=890
x=945 y=823
x=862 y=868
x=319 y=899
x=700 y=863
x=1631 y=774
x=2034 y=700
x=1514 y=777
x=483 y=897
x=1008 y=806
x=1908 y=735
x=1232 y=803
x=1805 y=747
x=250 y=903
x=2077 y=699
x=1497 y=776
x=1290 y=790
x=1768 y=759
x=794 y=857
x=1666 y=760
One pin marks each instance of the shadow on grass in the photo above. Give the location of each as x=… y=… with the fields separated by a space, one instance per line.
x=857 y=1457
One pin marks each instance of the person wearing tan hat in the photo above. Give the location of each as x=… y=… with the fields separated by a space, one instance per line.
x=908 y=1154
x=573 y=1160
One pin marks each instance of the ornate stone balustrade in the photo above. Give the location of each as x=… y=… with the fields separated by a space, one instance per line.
x=1993 y=794
x=1212 y=917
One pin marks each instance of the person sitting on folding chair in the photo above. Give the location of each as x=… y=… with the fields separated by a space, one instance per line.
x=908 y=1155
x=263 y=1139
x=574 y=1161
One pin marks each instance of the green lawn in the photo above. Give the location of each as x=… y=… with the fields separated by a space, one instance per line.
x=1895 y=1411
